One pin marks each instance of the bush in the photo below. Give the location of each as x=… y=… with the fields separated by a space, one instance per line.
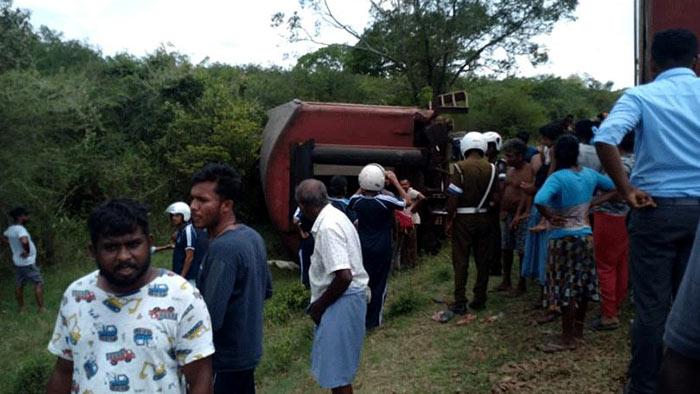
x=406 y=303
x=287 y=302
x=33 y=375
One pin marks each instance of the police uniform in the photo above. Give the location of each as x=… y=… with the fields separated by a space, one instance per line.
x=472 y=229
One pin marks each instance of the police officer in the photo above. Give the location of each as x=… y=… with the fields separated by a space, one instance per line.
x=468 y=221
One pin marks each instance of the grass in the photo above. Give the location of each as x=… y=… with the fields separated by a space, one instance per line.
x=410 y=354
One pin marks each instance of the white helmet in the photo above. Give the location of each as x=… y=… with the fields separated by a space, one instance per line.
x=492 y=136
x=372 y=177
x=179 y=208
x=472 y=140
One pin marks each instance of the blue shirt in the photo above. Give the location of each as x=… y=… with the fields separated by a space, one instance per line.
x=665 y=116
x=375 y=216
x=568 y=193
x=194 y=239
x=234 y=281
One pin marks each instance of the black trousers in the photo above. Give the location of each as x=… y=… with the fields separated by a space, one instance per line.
x=660 y=242
x=378 y=271
x=235 y=382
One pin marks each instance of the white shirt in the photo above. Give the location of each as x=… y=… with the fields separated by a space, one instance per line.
x=132 y=343
x=413 y=196
x=337 y=247
x=13 y=234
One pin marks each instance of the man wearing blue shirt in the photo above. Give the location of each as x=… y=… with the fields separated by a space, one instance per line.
x=664 y=189
x=234 y=278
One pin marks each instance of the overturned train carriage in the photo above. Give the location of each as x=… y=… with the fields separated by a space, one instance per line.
x=318 y=140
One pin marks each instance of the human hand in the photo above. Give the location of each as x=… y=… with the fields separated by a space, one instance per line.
x=515 y=223
x=639 y=199
x=448 y=229
x=557 y=220
x=391 y=177
x=170 y=246
x=24 y=255
x=316 y=312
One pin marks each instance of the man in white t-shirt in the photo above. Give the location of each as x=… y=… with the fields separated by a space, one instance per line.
x=339 y=291
x=128 y=326
x=24 y=258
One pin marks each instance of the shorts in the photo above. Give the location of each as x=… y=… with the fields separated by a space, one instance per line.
x=513 y=239
x=28 y=273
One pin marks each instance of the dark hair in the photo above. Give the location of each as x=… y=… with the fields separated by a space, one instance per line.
x=311 y=193
x=627 y=143
x=674 y=48
x=338 y=185
x=566 y=151
x=17 y=212
x=117 y=217
x=552 y=130
x=523 y=135
x=229 y=185
x=515 y=145
x=583 y=129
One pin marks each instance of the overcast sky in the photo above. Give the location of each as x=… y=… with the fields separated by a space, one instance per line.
x=600 y=42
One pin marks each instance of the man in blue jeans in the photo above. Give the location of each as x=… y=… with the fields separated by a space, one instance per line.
x=663 y=190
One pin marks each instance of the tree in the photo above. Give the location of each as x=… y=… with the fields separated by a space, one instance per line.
x=16 y=38
x=434 y=42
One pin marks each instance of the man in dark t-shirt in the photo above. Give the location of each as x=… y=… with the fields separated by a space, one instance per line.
x=375 y=217
x=234 y=278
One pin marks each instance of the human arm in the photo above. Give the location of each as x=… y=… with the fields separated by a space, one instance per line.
x=454 y=190
x=394 y=181
x=419 y=198
x=25 y=246
x=610 y=158
x=164 y=247
x=451 y=212
x=218 y=287
x=335 y=290
x=4 y=239
x=190 y=238
x=189 y=256
x=603 y=198
x=61 y=378
x=199 y=376
x=544 y=198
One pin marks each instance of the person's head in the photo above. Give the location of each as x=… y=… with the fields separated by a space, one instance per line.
x=312 y=197
x=514 y=150
x=338 y=186
x=566 y=151
x=627 y=143
x=673 y=48
x=583 y=129
x=179 y=213
x=19 y=215
x=216 y=192
x=473 y=143
x=550 y=132
x=121 y=241
x=524 y=136
x=405 y=183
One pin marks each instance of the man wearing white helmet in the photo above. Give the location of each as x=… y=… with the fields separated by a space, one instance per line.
x=190 y=243
x=375 y=218
x=468 y=221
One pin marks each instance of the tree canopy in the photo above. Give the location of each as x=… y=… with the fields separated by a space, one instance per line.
x=432 y=43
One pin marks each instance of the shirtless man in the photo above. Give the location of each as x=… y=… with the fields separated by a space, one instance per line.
x=513 y=210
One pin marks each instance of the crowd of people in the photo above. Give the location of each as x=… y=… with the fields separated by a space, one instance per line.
x=593 y=195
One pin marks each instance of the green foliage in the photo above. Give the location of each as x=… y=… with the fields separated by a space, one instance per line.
x=286 y=303
x=407 y=302
x=33 y=374
x=433 y=42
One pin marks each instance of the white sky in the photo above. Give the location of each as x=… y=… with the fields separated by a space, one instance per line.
x=599 y=43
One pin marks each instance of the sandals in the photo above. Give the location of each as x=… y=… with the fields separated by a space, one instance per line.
x=598 y=325
x=548 y=318
x=443 y=316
